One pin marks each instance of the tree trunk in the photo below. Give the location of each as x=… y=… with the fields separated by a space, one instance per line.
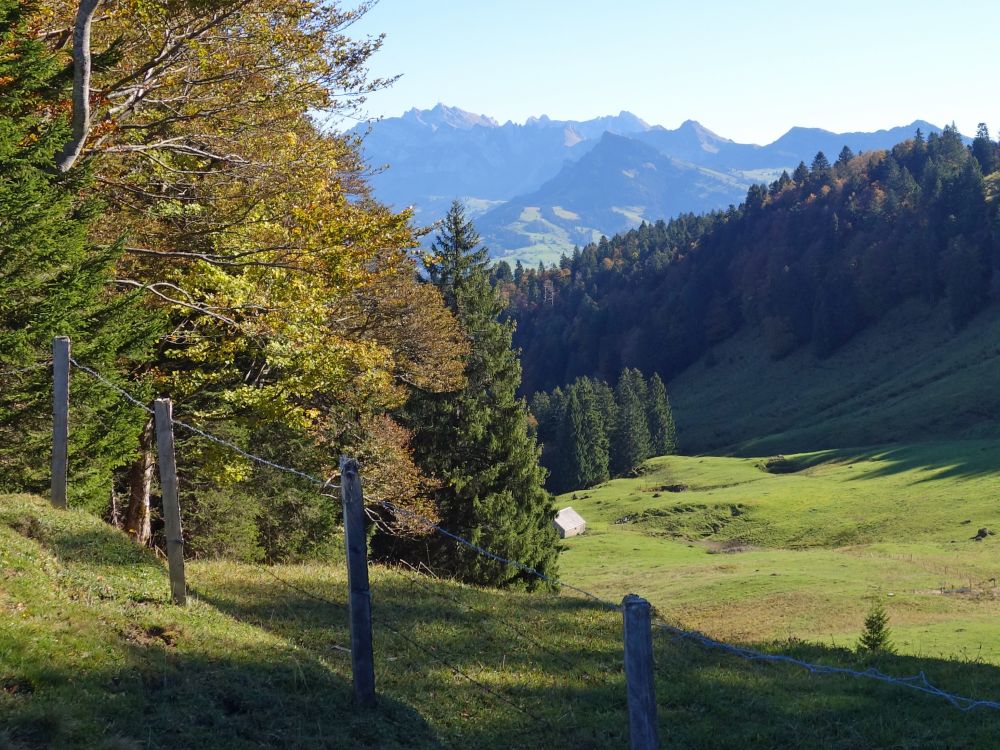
x=140 y=482
x=80 y=123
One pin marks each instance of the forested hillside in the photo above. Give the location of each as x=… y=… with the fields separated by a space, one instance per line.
x=804 y=264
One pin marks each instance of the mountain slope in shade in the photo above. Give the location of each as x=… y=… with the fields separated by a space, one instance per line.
x=619 y=183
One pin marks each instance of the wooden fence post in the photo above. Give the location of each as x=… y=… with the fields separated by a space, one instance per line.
x=360 y=596
x=643 y=731
x=163 y=410
x=60 y=418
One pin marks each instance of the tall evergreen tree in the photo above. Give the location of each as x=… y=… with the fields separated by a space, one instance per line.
x=476 y=441
x=455 y=254
x=840 y=167
x=821 y=171
x=594 y=433
x=53 y=283
x=984 y=149
x=572 y=467
x=630 y=444
x=662 y=431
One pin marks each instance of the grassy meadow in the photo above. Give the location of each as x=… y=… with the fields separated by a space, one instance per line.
x=798 y=547
x=92 y=655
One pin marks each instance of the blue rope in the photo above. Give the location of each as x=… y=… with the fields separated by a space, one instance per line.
x=918 y=682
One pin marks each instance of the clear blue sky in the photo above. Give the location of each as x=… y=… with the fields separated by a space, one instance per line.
x=747 y=70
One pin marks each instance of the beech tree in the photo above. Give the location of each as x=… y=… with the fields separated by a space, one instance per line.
x=291 y=295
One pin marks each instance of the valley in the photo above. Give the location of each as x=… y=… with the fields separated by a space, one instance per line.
x=769 y=549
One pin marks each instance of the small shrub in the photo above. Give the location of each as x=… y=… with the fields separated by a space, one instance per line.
x=875 y=638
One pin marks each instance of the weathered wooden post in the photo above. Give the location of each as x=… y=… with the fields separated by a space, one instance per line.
x=643 y=732
x=60 y=418
x=163 y=410
x=360 y=595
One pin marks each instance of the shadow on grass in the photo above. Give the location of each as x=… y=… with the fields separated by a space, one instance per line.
x=560 y=659
x=957 y=459
x=544 y=674
x=711 y=699
x=74 y=537
x=162 y=698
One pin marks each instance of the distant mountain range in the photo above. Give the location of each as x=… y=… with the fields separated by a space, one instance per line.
x=540 y=188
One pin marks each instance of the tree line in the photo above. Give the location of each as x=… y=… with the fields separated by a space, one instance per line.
x=591 y=432
x=809 y=261
x=170 y=199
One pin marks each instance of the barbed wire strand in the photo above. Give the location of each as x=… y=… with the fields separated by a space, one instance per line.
x=30 y=368
x=323 y=484
x=415 y=578
x=423 y=649
x=494 y=556
x=917 y=682
x=326 y=484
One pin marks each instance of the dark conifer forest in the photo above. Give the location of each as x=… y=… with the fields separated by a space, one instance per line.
x=811 y=260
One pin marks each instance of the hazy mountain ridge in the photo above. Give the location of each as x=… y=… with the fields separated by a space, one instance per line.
x=616 y=185
x=534 y=197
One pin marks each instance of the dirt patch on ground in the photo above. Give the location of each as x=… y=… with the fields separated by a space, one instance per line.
x=16 y=685
x=728 y=547
x=154 y=635
x=29 y=527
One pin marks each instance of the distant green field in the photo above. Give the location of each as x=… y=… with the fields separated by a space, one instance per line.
x=724 y=545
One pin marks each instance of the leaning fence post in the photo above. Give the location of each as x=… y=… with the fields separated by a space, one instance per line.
x=360 y=597
x=60 y=418
x=643 y=732
x=163 y=411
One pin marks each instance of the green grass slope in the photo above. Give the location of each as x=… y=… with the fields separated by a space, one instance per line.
x=908 y=378
x=761 y=549
x=93 y=656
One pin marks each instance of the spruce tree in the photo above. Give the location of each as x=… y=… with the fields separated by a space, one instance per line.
x=630 y=444
x=455 y=254
x=572 y=467
x=53 y=283
x=594 y=433
x=662 y=431
x=476 y=442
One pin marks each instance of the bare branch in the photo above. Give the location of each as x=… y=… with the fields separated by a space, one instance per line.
x=153 y=288
x=221 y=260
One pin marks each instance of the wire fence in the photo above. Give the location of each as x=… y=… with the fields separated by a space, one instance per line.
x=23 y=370
x=919 y=682
x=431 y=655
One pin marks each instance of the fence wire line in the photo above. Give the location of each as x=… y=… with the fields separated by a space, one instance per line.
x=415 y=578
x=323 y=484
x=30 y=368
x=494 y=556
x=917 y=682
x=422 y=649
